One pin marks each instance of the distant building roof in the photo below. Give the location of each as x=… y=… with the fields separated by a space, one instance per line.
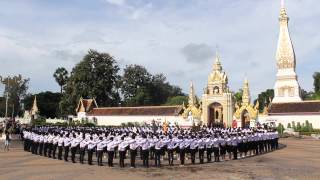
x=86 y=105
x=137 y=111
x=295 y=108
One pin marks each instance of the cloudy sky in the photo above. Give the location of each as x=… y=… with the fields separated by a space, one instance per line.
x=174 y=37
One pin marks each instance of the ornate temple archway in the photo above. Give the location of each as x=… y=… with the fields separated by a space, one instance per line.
x=245 y=119
x=215 y=115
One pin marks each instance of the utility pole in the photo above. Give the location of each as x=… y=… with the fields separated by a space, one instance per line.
x=7 y=97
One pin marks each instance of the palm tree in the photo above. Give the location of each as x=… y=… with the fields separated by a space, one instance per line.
x=61 y=76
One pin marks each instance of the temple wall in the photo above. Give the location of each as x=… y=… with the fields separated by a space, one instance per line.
x=285 y=119
x=118 y=120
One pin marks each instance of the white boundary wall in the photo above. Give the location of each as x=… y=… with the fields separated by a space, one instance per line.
x=118 y=120
x=286 y=119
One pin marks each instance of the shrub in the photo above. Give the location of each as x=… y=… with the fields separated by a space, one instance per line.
x=280 y=128
x=298 y=127
x=294 y=126
x=289 y=125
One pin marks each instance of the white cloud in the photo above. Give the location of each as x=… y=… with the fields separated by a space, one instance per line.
x=152 y=33
x=117 y=2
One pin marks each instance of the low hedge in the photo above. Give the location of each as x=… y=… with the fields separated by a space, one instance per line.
x=308 y=133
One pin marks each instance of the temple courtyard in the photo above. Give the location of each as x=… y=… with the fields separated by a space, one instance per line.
x=297 y=159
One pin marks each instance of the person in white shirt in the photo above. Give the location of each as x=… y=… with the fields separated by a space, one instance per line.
x=208 y=144
x=100 y=146
x=145 y=145
x=45 y=144
x=159 y=144
x=171 y=144
x=122 y=151
x=193 y=148
x=201 y=145
x=110 y=148
x=133 y=150
x=91 y=146
x=234 y=143
x=74 y=146
x=223 y=147
x=216 y=145
x=55 y=145
x=66 y=145
x=83 y=145
x=60 y=146
x=50 y=145
x=182 y=151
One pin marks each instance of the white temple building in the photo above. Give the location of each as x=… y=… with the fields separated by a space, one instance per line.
x=287 y=105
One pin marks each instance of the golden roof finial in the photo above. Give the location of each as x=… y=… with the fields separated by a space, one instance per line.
x=283 y=13
x=217 y=63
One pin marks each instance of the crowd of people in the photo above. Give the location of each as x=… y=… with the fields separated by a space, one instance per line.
x=148 y=143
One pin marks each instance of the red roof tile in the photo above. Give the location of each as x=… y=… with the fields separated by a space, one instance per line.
x=305 y=107
x=137 y=111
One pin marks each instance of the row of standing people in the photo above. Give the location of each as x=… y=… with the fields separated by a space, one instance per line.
x=150 y=145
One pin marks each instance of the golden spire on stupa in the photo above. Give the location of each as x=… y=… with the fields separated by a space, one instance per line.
x=285 y=55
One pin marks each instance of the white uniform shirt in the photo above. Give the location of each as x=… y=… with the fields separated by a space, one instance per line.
x=66 y=142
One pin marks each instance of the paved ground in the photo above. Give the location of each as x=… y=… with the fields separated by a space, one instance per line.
x=300 y=159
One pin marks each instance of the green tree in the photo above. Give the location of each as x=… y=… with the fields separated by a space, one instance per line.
x=48 y=103
x=316 y=81
x=307 y=95
x=265 y=98
x=61 y=77
x=96 y=76
x=16 y=87
x=161 y=90
x=135 y=80
x=238 y=96
x=139 y=87
x=177 y=100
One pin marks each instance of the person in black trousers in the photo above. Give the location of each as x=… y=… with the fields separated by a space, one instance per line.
x=90 y=150
x=41 y=145
x=66 y=143
x=83 y=145
x=54 y=145
x=133 y=151
x=111 y=148
x=74 y=146
x=60 y=146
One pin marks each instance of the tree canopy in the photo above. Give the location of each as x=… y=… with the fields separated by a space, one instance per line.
x=265 y=98
x=139 y=87
x=61 y=77
x=177 y=100
x=316 y=82
x=96 y=76
x=238 y=96
x=16 y=87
